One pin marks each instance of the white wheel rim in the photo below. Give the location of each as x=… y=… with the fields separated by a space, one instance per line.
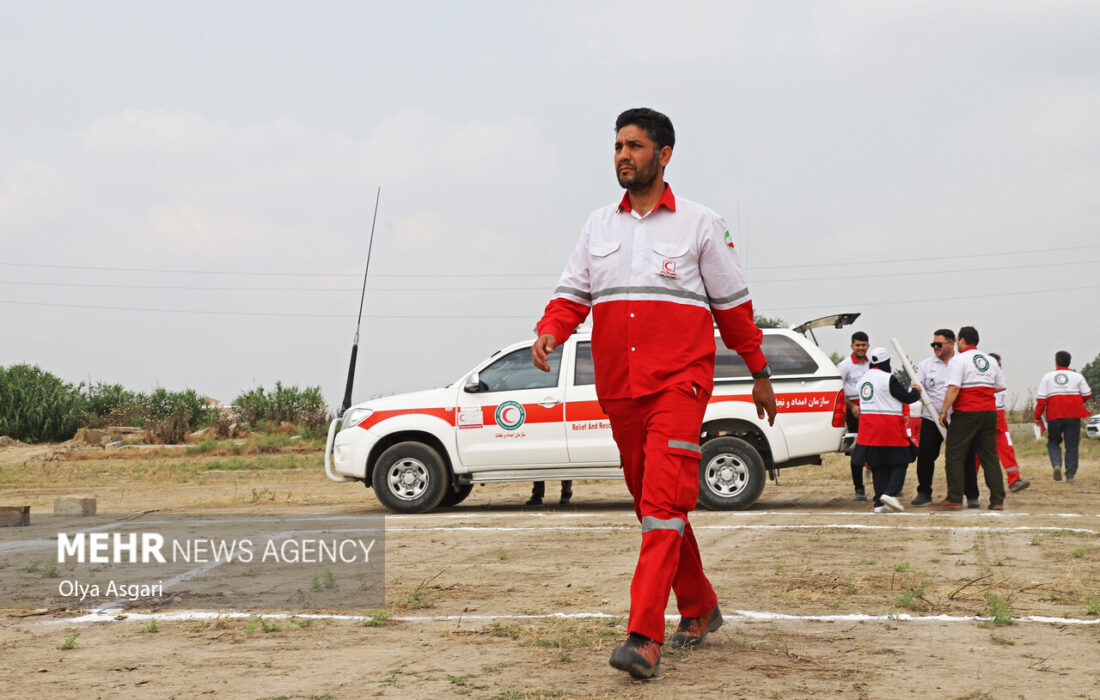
x=408 y=479
x=726 y=475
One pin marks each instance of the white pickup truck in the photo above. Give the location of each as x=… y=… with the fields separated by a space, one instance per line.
x=508 y=421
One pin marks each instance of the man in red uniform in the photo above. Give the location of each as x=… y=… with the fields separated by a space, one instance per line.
x=657 y=272
x=1062 y=396
x=973 y=378
x=1005 y=451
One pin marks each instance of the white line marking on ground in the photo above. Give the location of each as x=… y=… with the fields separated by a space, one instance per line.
x=25 y=545
x=29 y=545
x=734 y=514
x=823 y=526
x=744 y=615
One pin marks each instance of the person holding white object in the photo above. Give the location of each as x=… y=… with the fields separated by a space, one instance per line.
x=883 y=441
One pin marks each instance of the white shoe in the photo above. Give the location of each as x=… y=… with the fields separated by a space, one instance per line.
x=892 y=502
x=882 y=509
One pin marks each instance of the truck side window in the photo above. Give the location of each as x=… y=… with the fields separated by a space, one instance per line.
x=784 y=356
x=515 y=371
x=585 y=373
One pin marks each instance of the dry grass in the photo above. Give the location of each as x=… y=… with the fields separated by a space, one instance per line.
x=157 y=470
x=257 y=444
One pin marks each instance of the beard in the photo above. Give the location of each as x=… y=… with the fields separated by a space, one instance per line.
x=641 y=178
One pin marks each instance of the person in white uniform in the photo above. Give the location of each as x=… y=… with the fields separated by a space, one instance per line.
x=852 y=369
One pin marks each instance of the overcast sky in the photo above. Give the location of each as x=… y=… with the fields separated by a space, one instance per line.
x=186 y=189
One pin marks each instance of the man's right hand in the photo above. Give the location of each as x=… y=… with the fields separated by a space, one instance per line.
x=540 y=351
x=853 y=407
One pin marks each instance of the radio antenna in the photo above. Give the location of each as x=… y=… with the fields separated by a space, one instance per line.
x=355 y=344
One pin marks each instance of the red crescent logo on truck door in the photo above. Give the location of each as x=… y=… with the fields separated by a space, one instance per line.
x=510 y=415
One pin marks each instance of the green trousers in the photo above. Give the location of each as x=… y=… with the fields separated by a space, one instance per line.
x=977 y=431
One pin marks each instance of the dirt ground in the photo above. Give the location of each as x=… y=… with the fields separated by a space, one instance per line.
x=492 y=599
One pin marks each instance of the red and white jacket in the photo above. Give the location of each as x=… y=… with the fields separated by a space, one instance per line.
x=882 y=418
x=851 y=370
x=652 y=284
x=1062 y=394
x=978 y=377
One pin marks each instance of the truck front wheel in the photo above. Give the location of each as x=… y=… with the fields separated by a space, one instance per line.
x=731 y=474
x=410 y=477
x=456 y=495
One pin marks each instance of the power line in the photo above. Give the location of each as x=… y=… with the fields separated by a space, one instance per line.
x=937 y=258
x=987 y=295
x=1028 y=266
x=528 y=274
x=269 y=314
x=492 y=316
x=97 y=268
x=544 y=288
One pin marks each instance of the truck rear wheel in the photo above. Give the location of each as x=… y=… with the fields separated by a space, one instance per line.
x=731 y=474
x=410 y=477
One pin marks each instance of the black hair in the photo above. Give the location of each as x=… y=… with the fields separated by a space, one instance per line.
x=860 y=335
x=946 y=333
x=657 y=126
x=969 y=334
x=1062 y=358
x=995 y=356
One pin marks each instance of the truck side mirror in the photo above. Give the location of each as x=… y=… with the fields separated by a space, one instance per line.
x=473 y=384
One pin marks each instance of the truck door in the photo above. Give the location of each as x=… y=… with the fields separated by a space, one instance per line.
x=587 y=429
x=515 y=417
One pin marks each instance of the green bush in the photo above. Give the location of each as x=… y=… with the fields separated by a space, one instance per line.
x=1091 y=373
x=114 y=404
x=171 y=415
x=286 y=404
x=36 y=406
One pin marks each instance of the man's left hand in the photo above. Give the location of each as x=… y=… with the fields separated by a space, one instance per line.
x=764 y=398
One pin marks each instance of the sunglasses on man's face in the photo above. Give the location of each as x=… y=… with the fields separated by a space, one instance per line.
x=937 y=345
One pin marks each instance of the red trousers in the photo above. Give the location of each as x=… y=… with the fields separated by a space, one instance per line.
x=1005 y=451
x=658 y=440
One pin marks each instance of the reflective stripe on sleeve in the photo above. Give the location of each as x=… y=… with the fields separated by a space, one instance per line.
x=574 y=292
x=684 y=445
x=732 y=297
x=651 y=523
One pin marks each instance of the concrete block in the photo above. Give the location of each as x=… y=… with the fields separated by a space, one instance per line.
x=74 y=505
x=15 y=516
x=89 y=436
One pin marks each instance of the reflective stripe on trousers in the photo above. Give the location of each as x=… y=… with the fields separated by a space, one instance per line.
x=650 y=523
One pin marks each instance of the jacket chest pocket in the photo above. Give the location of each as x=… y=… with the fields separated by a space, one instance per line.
x=669 y=259
x=605 y=262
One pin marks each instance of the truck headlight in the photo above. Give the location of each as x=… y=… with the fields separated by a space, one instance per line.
x=355 y=416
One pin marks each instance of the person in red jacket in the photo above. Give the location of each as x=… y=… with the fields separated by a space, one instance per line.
x=1005 y=451
x=969 y=412
x=657 y=272
x=883 y=441
x=1062 y=395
